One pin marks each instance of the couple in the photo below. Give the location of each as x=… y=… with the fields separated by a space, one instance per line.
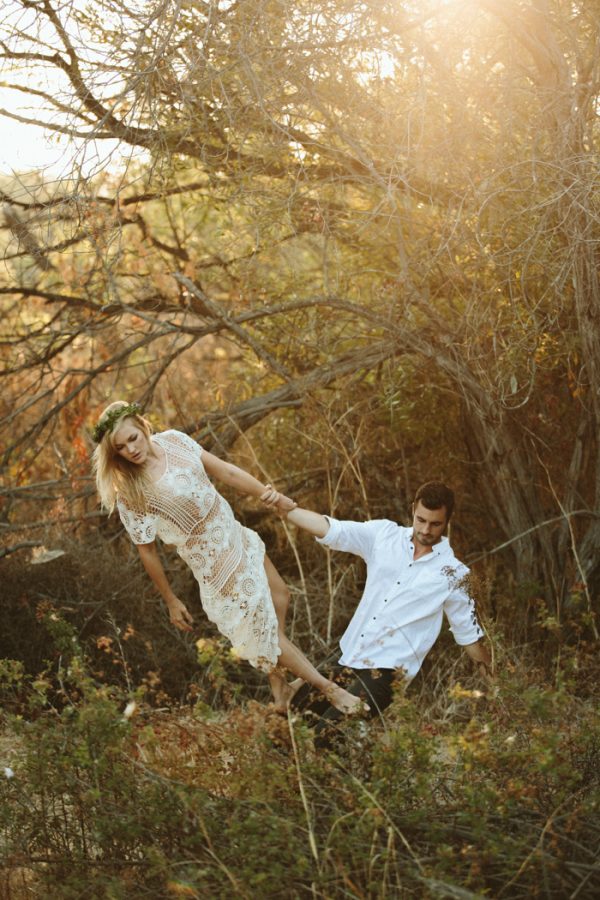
x=161 y=486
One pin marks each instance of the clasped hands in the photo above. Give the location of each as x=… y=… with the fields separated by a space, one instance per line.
x=277 y=502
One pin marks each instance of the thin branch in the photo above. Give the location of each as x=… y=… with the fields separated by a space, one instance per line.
x=22 y=545
x=561 y=518
x=230 y=323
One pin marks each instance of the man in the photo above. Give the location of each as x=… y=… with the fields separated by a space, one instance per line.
x=413 y=579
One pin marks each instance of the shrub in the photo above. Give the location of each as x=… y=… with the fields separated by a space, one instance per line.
x=464 y=794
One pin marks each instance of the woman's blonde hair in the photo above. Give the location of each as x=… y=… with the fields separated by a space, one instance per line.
x=116 y=476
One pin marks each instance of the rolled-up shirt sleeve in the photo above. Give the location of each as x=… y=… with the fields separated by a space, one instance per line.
x=459 y=608
x=141 y=527
x=352 y=537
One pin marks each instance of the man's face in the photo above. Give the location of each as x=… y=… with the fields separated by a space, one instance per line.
x=428 y=524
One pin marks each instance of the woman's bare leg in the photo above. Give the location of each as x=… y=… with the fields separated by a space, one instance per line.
x=282 y=691
x=293 y=659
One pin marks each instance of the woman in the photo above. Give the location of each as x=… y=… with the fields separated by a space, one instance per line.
x=160 y=485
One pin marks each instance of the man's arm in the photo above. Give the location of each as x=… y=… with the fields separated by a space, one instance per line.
x=335 y=534
x=459 y=608
x=310 y=521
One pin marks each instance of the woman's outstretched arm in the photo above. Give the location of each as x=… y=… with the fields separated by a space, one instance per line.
x=178 y=612
x=245 y=483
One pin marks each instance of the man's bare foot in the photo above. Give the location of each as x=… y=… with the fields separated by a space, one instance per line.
x=345 y=701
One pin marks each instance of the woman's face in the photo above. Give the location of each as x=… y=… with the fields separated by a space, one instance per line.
x=131 y=443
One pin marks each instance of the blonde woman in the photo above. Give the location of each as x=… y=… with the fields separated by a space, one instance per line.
x=161 y=486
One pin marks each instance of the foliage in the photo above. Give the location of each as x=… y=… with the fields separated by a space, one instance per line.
x=92 y=601
x=472 y=795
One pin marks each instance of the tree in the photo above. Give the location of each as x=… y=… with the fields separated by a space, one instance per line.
x=335 y=188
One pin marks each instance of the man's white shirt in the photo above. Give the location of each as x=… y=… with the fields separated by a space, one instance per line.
x=401 y=611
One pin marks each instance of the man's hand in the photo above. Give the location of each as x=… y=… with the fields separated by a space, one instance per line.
x=480 y=655
x=485 y=671
x=179 y=615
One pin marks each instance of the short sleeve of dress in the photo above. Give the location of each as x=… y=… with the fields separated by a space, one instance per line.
x=182 y=440
x=141 y=527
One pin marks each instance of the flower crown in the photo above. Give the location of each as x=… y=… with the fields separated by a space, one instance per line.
x=108 y=422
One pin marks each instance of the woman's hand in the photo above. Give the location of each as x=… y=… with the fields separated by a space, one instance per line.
x=179 y=615
x=276 y=501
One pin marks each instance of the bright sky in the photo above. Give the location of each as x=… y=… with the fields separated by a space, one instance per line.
x=25 y=147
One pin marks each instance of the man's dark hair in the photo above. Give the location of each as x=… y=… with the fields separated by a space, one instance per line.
x=434 y=495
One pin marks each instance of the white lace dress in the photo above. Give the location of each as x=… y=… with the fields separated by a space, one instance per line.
x=183 y=508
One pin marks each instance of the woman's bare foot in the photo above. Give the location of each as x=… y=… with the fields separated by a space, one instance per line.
x=283 y=691
x=282 y=701
x=344 y=700
x=279 y=688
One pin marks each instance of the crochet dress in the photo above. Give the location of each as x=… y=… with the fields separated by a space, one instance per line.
x=183 y=508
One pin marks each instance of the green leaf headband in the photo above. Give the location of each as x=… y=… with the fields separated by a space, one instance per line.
x=109 y=421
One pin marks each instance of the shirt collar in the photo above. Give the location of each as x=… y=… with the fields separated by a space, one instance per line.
x=442 y=548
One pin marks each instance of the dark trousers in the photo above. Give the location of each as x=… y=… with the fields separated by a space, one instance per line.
x=374 y=686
